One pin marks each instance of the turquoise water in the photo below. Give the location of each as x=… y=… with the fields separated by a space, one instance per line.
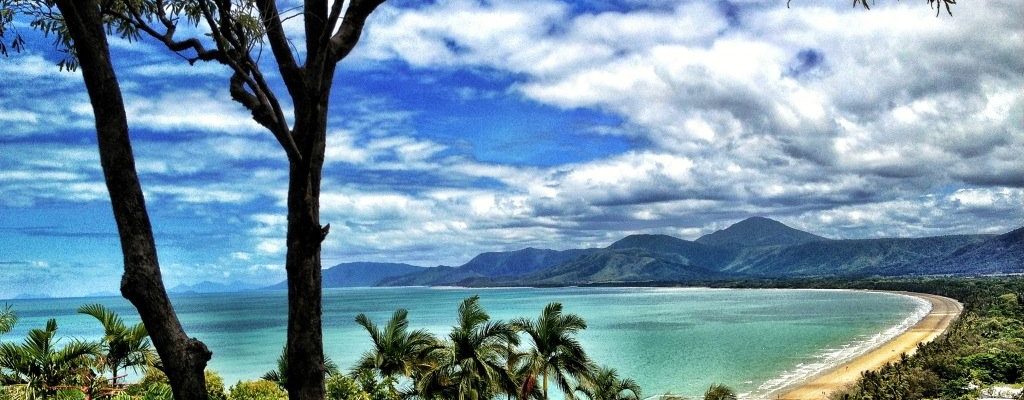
x=678 y=340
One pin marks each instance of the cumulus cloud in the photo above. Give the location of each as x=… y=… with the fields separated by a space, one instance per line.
x=908 y=125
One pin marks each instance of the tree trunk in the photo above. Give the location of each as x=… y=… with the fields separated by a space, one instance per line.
x=305 y=235
x=184 y=358
x=545 y=384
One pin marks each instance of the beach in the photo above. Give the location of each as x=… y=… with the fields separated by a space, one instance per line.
x=943 y=312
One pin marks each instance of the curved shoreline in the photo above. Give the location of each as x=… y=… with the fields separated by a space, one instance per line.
x=944 y=311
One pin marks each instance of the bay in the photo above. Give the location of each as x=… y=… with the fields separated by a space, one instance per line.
x=668 y=339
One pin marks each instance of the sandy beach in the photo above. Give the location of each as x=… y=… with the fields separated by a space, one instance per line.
x=944 y=311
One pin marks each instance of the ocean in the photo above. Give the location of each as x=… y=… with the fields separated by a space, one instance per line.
x=667 y=339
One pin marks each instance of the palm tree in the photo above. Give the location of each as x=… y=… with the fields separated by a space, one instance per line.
x=555 y=352
x=521 y=382
x=42 y=366
x=470 y=364
x=7 y=319
x=123 y=346
x=396 y=351
x=605 y=384
x=719 y=392
x=280 y=375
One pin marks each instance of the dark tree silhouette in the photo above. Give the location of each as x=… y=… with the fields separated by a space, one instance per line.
x=237 y=28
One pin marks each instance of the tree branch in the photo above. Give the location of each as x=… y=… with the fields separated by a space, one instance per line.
x=351 y=28
x=291 y=73
x=167 y=38
x=264 y=114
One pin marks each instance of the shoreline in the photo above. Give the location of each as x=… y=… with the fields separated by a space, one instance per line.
x=817 y=387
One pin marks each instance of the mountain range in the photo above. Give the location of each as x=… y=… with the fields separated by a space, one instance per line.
x=756 y=247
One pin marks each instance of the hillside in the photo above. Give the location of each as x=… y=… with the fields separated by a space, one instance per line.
x=679 y=250
x=886 y=256
x=998 y=255
x=489 y=265
x=620 y=266
x=360 y=274
x=754 y=247
x=211 y=287
x=756 y=232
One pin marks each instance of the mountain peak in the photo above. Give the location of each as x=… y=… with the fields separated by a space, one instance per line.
x=758 y=231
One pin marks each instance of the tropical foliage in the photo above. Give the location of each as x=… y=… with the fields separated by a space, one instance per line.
x=605 y=384
x=470 y=363
x=280 y=375
x=396 y=351
x=719 y=392
x=257 y=390
x=123 y=346
x=7 y=319
x=481 y=358
x=45 y=367
x=554 y=352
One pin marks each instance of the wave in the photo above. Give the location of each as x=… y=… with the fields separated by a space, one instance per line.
x=831 y=358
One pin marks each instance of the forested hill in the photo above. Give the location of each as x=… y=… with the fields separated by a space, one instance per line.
x=753 y=248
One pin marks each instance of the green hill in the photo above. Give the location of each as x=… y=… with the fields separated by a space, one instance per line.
x=758 y=231
x=753 y=248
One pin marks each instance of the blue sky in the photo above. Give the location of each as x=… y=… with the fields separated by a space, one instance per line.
x=459 y=127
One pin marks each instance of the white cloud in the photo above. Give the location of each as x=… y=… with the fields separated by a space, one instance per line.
x=190 y=110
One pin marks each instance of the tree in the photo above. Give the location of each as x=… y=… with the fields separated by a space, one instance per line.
x=7 y=319
x=123 y=347
x=396 y=351
x=470 y=364
x=719 y=392
x=42 y=366
x=235 y=28
x=605 y=384
x=555 y=351
x=280 y=375
x=79 y=27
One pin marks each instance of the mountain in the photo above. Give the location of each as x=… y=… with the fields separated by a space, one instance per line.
x=753 y=248
x=30 y=296
x=621 y=265
x=360 y=274
x=886 y=256
x=489 y=265
x=756 y=232
x=682 y=251
x=998 y=255
x=212 y=287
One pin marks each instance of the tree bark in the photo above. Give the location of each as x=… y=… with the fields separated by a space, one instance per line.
x=305 y=236
x=184 y=358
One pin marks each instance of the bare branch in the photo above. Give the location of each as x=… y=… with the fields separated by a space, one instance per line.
x=351 y=28
x=291 y=73
x=264 y=114
x=332 y=20
x=167 y=38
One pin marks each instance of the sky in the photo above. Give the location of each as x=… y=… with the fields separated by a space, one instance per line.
x=459 y=127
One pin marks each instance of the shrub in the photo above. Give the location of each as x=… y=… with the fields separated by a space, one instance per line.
x=377 y=389
x=157 y=391
x=257 y=390
x=341 y=387
x=156 y=378
x=215 y=386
